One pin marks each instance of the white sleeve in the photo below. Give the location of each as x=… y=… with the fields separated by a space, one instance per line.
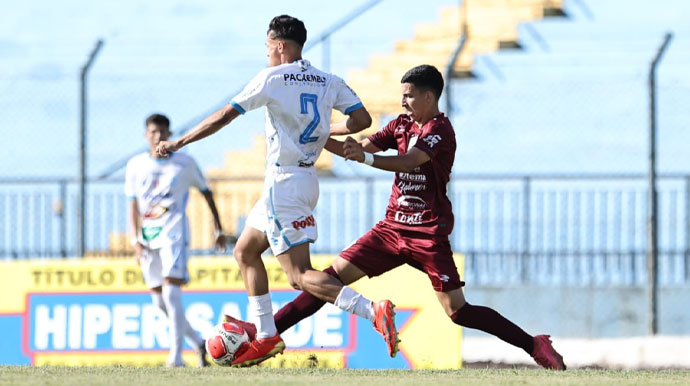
x=130 y=181
x=254 y=95
x=196 y=179
x=346 y=101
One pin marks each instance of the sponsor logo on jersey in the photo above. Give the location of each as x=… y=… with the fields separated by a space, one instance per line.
x=155 y=212
x=304 y=78
x=304 y=223
x=406 y=187
x=408 y=218
x=412 y=177
x=411 y=202
x=150 y=233
x=432 y=140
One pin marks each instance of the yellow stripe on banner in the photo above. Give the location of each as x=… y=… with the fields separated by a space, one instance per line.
x=107 y=275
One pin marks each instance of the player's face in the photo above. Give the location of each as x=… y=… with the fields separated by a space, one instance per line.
x=156 y=133
x=415 y=101
x=273 y=50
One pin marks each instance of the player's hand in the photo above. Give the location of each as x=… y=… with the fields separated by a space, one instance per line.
x=220 y=242
x=353 y=150
x=164 y=148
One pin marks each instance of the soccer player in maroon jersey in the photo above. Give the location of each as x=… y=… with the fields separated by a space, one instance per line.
x=418 y=219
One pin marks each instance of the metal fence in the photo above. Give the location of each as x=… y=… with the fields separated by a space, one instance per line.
x=552 y=230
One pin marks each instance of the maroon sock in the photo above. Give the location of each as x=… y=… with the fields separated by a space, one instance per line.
x=302 y=307
x=490 y=321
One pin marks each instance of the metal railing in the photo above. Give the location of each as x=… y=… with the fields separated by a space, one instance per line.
x=545 y=229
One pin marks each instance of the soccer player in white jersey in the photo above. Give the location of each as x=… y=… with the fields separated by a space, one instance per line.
x=298 y=99
x=158 y=188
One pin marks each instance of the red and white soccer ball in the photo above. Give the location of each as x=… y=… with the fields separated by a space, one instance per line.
x=227 y=341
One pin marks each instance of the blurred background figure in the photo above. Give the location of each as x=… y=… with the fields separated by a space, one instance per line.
x=158 y=189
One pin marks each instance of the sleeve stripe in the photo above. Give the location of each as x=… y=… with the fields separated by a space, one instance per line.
x=353 y=108
x=132 y=197
x=237 y=107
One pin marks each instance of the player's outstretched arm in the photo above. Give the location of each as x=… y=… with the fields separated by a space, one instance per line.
x=208 y=126
x=220 y=237
x=337 y=147
x=357 y=121
x=405 y=163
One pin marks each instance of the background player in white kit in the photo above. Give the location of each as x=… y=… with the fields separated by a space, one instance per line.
x=298 y=99
x=158 y=188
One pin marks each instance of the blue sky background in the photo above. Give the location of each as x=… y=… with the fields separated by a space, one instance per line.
x=573 y=100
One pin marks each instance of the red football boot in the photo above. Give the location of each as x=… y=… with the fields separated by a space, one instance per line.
x=384 y=323
x=259 y=350
x=545 y=355
x=248 y=326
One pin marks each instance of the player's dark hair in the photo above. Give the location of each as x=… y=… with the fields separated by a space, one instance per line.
x=158 y=119
x=425 y=77
x=288 y=27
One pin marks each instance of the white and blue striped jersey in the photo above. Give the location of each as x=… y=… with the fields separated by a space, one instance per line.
x=299 y=99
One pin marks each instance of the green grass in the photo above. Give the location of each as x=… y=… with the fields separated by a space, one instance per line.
x=143 y=376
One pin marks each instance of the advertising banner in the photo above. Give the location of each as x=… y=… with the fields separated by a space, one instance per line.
x=98 y=312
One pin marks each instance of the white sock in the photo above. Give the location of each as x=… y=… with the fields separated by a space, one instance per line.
x=353 y=302
x=261 y=314
x=190 y=333
x=172 y=296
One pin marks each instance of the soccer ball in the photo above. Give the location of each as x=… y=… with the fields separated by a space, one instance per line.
x=227 y=340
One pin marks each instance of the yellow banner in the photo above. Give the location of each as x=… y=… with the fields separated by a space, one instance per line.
x=98 y=312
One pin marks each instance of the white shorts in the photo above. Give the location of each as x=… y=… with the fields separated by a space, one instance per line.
x=168 y=261
x=285 y=211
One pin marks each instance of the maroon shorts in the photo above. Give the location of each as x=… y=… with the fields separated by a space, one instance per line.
x=384 y=248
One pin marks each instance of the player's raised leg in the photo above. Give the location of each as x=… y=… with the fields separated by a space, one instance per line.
x=303 y=306
x=384 y=314
x=339 y=276
x=267 y=342
x=490 y=321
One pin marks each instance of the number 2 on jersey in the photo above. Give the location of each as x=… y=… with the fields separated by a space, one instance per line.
x=304 y=101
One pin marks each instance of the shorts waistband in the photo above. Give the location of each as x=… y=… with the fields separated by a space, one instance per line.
x=291 y=169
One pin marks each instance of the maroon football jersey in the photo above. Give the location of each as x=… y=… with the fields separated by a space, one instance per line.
x=419 y=201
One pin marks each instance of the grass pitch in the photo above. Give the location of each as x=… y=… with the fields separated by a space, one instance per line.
x=144 y=376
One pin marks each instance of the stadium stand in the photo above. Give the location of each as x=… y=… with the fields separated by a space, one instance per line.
x=491 y=25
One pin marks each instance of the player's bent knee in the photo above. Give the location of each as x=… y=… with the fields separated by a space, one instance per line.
x=244 y=256
x=450 y=311
x=451 y=301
